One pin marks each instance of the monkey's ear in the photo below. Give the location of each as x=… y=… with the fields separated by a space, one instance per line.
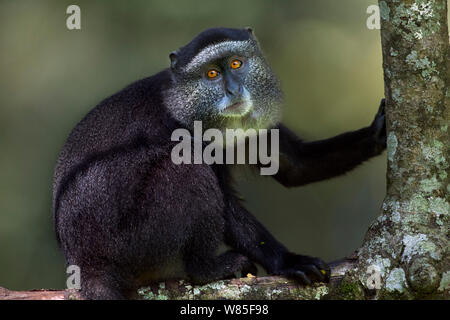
x=173 y=59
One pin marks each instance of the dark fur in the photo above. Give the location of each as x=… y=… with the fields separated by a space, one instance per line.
x=126 y=214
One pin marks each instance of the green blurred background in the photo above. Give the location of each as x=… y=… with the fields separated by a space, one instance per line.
x=329 y=64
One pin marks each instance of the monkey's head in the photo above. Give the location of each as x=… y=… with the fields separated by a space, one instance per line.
x=222 y=79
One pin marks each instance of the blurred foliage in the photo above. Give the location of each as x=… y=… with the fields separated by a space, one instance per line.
x=328 y=61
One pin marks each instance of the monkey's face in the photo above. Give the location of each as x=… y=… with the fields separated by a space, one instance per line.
x=225 y=85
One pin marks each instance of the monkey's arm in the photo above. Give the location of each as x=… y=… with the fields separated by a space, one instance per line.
x=305 y=162
x=248 y=236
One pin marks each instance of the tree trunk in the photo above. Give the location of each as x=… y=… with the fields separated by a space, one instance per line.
x=408 y=244
x=405 y=251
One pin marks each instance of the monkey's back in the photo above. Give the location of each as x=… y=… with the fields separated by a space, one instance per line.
x=118 y=198
x=114 y=122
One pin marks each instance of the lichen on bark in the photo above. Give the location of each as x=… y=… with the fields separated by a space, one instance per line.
x=265 y=288
x=412 y=231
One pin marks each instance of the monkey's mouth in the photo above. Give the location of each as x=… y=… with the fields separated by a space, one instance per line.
x=237 y=109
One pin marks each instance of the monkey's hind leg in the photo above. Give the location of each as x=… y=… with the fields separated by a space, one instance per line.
x=201 y=269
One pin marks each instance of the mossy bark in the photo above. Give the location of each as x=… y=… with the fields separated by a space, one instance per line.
x=408 y=244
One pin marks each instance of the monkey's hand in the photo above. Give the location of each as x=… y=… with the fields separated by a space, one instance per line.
x=305 y=269
x=378 y=127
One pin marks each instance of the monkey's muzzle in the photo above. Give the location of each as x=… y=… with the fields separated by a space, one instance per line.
x=239 y=108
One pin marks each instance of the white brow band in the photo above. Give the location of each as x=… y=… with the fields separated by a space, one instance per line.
x=217 y=50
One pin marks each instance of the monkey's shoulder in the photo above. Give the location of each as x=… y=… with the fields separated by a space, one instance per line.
x=135 y=114
x=136 y=101
x=138 y=109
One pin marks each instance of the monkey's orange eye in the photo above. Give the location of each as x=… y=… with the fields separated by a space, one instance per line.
x=212 y=74
x=236 y=64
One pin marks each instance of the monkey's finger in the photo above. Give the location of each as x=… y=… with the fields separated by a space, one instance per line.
x=312 y=269
x=302 y=276
x=382 y=107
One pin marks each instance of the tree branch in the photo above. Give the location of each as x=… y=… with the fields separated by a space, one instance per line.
x=255 y=288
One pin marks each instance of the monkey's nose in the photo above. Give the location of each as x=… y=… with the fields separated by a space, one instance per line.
x=233 y=89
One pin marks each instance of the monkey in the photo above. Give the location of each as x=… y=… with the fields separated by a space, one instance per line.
x=128 y=216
